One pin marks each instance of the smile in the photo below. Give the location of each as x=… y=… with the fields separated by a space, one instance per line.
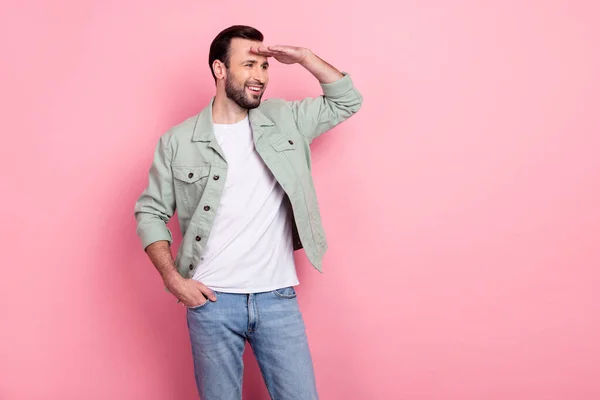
x=255 y=88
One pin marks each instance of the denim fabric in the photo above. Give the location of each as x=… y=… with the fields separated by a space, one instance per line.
x=272 y=324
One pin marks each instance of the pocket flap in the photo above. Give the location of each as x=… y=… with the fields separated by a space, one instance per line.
x=190 y=174
x=285 y=143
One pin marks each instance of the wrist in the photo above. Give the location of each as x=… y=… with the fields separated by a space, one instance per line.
x=309 y=57
x=172 y=277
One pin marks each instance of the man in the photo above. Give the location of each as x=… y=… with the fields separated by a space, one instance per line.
x=239 y=175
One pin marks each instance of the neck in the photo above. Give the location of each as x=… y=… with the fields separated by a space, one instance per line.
x=226 y=111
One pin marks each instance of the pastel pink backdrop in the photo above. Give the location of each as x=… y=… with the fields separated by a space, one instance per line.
x=462 y=204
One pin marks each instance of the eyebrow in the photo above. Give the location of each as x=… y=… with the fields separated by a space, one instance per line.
x=254 y=62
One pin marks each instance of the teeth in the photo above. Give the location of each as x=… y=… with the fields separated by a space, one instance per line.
x=254 y=88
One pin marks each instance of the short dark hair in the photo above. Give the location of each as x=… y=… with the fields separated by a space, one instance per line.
x=219 y=48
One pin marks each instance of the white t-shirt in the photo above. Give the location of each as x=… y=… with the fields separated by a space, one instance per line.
x=250 y=247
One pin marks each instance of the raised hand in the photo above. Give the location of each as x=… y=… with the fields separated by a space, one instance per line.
x=283 y=54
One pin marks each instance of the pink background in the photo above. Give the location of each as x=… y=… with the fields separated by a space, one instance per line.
x=462 y=203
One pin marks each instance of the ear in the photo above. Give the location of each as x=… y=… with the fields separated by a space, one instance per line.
x=219 y=69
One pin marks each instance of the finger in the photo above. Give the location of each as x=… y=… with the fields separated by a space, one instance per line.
x=192 y=299
x=261 y=50
x=273 y=50
x=196 y=302
x=206 y=291
x=254 y=50
x=278 y=49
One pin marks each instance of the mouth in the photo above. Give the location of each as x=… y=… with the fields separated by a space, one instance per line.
x=255 y=89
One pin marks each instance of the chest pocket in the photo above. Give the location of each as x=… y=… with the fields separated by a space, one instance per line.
x=289 y=154
x=288 y=148
x=284 y=144
x=190 y=182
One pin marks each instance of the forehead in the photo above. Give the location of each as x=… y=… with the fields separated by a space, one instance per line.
x=239 y=50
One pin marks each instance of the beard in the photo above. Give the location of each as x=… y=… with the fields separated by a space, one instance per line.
x=238 y=94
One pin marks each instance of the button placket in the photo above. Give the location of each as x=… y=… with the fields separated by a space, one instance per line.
x=210 y=190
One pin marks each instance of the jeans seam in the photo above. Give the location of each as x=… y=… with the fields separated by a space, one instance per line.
x=265 y=381
x=268 y=388
x=284 y=296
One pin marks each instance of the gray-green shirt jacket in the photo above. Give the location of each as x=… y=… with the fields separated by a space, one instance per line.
x=189 y=170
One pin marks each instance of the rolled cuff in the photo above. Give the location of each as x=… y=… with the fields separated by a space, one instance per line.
x=154 y=232
x=339 y=87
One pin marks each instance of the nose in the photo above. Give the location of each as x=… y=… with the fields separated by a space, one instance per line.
x=260 y=75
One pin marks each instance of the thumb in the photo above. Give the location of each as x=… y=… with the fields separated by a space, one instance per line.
x=205 y=291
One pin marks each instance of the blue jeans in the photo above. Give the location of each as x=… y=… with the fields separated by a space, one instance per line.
x=273 y=325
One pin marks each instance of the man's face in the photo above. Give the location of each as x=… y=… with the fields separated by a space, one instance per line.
x=247 y=75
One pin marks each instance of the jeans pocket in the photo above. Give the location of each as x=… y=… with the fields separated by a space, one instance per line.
x=200 y=306
x=203 y=305
x=286 y=292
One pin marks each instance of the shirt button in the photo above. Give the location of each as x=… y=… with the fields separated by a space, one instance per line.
x=206 y=208
x=190 y=175
x=198 y=238
x=191 y=267
x=290 y=142
x=216 y=177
